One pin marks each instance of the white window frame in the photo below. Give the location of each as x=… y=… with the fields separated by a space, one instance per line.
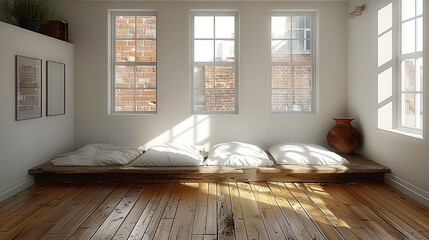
x=234 y=13
x=401 y=58
x=313 y=43
x=112 y=13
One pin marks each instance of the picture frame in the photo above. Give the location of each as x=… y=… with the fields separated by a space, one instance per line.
x=55 y=88
x=28 y=85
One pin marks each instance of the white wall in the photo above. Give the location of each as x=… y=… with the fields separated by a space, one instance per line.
x=88 y=31
x=407 y=157
x=28 y=143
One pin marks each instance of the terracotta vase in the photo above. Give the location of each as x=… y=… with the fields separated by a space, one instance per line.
x=343 y=138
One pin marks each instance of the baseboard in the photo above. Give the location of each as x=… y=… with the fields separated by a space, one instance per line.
x=411 y=190
x=15 y=187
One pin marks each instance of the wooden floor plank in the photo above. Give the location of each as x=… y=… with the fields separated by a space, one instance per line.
x=211 y=224
x=343 y=217
x=130 y=221
x=76 y=206
x=384 y=213
x=87 y=210
x=239 y=226
x=401 y=216
x=145 y=218
x=164 y=228
x=156 y=219
x=225 y=217
x=268 y=216
x=382 y=229
x=182 y=225
x=12 y=220
x=290 y=215
x=338 y=223
x=32 y=221
x=115 y=219
x=170 y=209
x=56 y=236
x=417 y=216
x=201 y=210
x=283 y=222
x=255 y=227
x=400 y=197
x=36 y=189
x=314 y=212
x=66 y=210
x=256 y=210
x=306 y=220
x=93 y=222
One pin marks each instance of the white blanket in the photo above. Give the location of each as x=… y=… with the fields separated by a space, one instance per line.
x=305 y=154
x=238 y=154
x=98 y=154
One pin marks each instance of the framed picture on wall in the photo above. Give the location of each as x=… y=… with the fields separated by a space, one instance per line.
x=28 y=88
x=55 y=88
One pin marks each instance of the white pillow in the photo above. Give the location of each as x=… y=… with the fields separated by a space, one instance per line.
x=98 y=154
x=238 y=154
x=170 y=155
x=307 y=154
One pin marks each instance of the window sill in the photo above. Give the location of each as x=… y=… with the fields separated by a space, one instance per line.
x=403 y=133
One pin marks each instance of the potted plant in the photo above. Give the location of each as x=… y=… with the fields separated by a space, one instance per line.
x=27 y=14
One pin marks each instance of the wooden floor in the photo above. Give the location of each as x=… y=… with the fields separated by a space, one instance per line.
x=205 y=211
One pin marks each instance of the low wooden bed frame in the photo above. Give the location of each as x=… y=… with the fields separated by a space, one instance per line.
x=360 y=170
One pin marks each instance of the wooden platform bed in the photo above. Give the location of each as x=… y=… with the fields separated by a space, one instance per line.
x=360 y=170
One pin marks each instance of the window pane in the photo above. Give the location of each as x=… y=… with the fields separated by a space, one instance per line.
x=203 y=100
x=302 y=77
x=408 y=37
x=124 y=76
x=281 y=100
x=419 y=34
x=203 y=27
x=146 y=50
x=419 y=7
x=302 y=100
x=225 y=50
x=408 y=9
x=280 y=50
x=146 y=99
x=280 y=27
x=124 y=100
x=125 y=27
x=419 y=74
x=281 y=76
x=225 y=100
x=146 y=27
x=225 y=76
x=146 y=77
x=409 y=110
x=225 y=26
x=301 y=51
x=203 y=51
x=408 y=75
x=203 y=77
x=125 y=50
x=301 y=26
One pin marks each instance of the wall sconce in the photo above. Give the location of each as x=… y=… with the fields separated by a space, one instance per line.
x=358 y=11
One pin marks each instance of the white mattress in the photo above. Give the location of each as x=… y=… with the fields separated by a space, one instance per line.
x=98 y=154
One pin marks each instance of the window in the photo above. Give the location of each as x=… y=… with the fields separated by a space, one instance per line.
x=134 y=64
x=400 y=67
x=214 y=62
x=411 y=66
x=292 y=63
